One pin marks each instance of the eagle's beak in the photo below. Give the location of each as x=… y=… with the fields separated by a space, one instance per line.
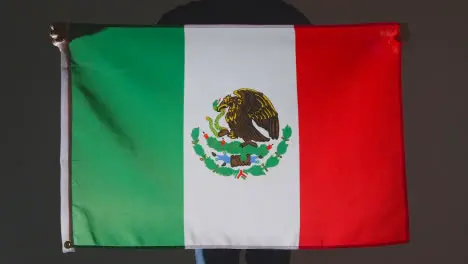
x=221 y=106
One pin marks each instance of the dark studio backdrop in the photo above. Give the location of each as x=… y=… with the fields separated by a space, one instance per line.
x=435 y=72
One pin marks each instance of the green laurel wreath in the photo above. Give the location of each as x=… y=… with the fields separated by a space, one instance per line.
x=235 y=148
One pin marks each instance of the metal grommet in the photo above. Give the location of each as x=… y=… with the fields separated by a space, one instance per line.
x=68 y=244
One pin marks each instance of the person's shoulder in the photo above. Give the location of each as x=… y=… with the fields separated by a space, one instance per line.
x=291 y=13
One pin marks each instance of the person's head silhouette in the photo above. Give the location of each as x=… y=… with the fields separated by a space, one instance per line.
x=259 y=12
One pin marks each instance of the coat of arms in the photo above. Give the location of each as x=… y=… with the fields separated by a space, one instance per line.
x=241 y=149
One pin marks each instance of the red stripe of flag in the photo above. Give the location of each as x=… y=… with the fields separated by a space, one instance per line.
x=353 y=190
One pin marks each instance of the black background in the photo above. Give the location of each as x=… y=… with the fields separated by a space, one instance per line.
x=435 y=87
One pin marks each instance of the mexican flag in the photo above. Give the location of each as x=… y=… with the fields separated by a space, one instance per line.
x=233 y=137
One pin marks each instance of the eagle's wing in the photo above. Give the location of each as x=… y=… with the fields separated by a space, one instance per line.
x=260 y=109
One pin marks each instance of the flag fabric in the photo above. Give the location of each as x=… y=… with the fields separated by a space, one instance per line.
x=233 y=137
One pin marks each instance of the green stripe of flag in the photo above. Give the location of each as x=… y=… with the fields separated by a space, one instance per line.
x=127 y=137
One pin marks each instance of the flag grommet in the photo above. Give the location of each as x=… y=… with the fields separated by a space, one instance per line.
x=68 y=244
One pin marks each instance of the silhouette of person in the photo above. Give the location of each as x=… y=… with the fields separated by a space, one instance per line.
x=260 y=12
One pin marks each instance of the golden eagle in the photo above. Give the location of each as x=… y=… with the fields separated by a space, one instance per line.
x=246 y=107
